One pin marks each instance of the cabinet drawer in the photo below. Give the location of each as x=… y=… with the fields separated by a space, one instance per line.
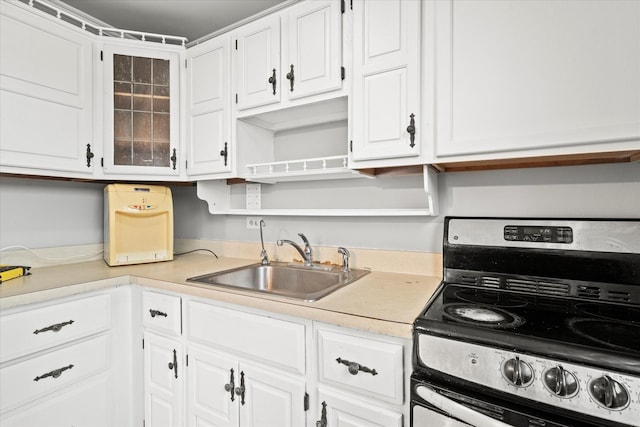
x=336 y=351
x=37 y=329
x=161 y=312
x=32 y=378
x=277 y=342
x=84 y=404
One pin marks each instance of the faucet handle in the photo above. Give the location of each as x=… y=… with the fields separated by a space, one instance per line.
x=345 y=258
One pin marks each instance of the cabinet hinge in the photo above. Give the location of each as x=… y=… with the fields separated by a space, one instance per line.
x=342 y=6
x=343 y=72
x=101 y=55
x=306 y=401
x=351 y=146
x=101 y=162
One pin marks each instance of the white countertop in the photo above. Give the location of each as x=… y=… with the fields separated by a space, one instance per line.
x=380 y=302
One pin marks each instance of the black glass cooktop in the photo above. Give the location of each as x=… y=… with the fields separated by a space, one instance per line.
x=558 y=327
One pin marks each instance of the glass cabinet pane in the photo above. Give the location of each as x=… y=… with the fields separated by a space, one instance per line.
x=141 y=117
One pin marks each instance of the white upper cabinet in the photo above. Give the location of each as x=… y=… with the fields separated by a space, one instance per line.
x=313 y=61
x=289 y=57
x=531 y=78
x=141 y=110
x=257 y=67
x=386 y=81
x=45 y=95
x=208 y=86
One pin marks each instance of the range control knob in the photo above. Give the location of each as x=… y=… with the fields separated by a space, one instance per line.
x=517 y=372
x=560 y=382
x=609 y=393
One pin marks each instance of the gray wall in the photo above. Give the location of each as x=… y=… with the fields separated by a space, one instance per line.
x=577 y=191
x=39 y=213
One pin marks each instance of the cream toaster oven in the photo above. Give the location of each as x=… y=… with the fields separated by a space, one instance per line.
x=138 y=224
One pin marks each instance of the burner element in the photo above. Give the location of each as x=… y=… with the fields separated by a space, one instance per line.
x=616 y=335
x=482 y=315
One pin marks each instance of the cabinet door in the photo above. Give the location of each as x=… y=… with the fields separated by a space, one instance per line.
x=386 y=81
x=211 y=399
x=314 y=60
x=141 y=111
x=519 y=76
x=209 y=92
x=163 y=381
x=271 y=398
x=341 y=410
x=45 y=94
x=257 y=62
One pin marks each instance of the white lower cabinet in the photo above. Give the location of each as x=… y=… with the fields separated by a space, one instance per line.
x=225 y=392
x=80 y=405
x=362 y=378
x=163 y=381
x=342 y=410
x=245 y=369
x=67 y=362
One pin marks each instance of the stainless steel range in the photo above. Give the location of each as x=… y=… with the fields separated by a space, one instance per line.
x=536 y=323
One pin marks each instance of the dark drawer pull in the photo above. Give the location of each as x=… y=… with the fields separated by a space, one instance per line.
x=173 y=366
x=354 y=367
x=230 y=386
x=240 y=390
x=54 y=328
x=155 y=313
x=53 y=374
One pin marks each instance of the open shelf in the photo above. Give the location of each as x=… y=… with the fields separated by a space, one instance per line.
x=386 y=196
x=319 y=168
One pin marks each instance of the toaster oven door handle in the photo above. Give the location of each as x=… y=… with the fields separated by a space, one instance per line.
x=459 y=411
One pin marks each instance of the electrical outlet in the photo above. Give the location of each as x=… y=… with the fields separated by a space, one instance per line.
x=253 y=222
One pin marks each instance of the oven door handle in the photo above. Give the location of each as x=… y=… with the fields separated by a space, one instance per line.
x=456 y=409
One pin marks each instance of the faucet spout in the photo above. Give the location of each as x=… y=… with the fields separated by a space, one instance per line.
x=305 y=253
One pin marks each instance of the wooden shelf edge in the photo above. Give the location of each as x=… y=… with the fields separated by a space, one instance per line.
x=629 y=156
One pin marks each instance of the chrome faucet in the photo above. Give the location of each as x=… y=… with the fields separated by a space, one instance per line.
x=264 y=258
x=345 y=259
x=305 y=253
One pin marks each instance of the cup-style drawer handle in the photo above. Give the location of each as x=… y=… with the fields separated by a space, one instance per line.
x=54 y=328
x=155 y=313
x=354 y=367
x=53 y=374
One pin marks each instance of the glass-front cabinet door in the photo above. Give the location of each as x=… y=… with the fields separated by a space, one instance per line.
x=141 y=112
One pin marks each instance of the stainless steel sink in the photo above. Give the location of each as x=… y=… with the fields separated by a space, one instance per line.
x=288 y=280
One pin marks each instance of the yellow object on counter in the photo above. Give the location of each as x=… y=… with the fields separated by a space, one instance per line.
x=12 y=271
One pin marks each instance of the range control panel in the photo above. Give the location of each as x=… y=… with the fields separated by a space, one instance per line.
x=537 y=233
x=584 y=389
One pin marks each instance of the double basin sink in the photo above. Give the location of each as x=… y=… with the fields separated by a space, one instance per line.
x=282 y=279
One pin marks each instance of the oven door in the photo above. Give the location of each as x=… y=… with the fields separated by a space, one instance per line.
x=443 y=406
x=423 y=416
